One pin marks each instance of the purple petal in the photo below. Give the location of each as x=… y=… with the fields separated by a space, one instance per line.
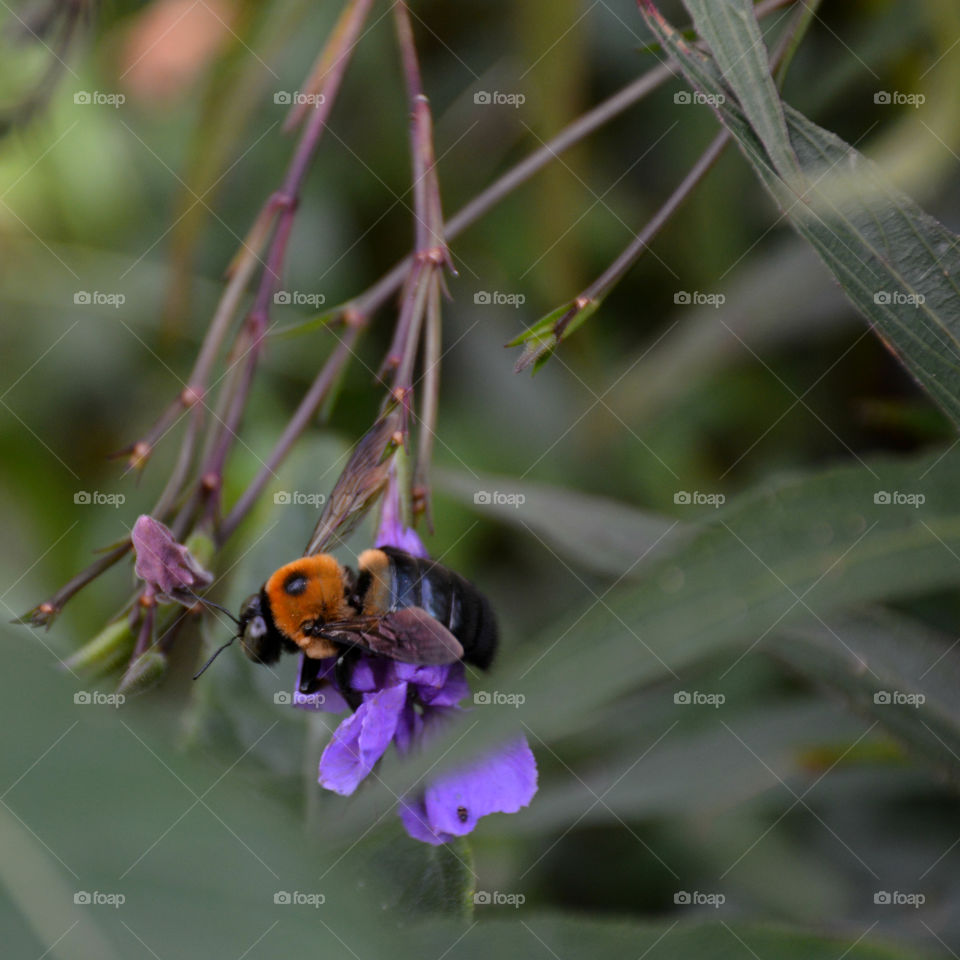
x=360 y=741
x=449 y=692
x=415 y=821
x=163 y=564
x=409 y=728
x=416 y=727
x=392 y=532
x=371 y=673
x=501 y=782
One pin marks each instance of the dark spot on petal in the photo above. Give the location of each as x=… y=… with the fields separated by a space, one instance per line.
x=295 y=584
x=462 y=814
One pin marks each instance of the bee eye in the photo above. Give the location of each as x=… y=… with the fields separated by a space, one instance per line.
x=251 y=607
x=295 y=584
x=252 y=641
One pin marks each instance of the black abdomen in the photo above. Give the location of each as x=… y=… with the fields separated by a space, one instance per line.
x=447 y=597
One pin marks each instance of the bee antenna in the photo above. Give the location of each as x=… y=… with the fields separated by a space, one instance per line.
x=216 y=653
x=213 y=604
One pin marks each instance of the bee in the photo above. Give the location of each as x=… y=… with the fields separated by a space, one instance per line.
x=395 y=605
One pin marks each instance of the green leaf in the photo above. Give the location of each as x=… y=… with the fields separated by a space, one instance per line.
x=731 y=31
x=546 y=935
x=43 y=896
x=891 y=667
x=310 y=325
x=777 y=300
x=590 y=531
x=540 y=340
x=696 y=773
x=894 y=261
x=791 y=551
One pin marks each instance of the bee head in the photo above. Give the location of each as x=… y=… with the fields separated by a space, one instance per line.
x=258 y=637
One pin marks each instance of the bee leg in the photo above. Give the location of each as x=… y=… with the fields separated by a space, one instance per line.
x=308 y=675
x=343 y=673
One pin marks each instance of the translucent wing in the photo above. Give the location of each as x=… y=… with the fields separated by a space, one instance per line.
x=409 y=635
x=359 y=485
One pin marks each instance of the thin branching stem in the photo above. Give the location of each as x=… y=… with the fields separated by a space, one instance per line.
x=307 y=409
x=375 y=296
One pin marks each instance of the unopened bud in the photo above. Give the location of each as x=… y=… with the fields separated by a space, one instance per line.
x=106 y=651
x=139 y=455
x=145 y=672
x=191 y=395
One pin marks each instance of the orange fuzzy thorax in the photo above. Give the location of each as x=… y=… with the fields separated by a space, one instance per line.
x=308 y=589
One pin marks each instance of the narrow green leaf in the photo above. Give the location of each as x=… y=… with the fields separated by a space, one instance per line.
x=897 y=670
x=36 y=885
x=594 y=532
x=573 y=938
x=700 y=773
x=310 y=325
x=895 y=262
x=732 y=32
x=792 y=551
x=540 y=340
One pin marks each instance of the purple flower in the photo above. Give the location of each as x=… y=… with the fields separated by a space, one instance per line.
x=500 y=782
x=403 y=704
x=167 y=567
x=392 y=531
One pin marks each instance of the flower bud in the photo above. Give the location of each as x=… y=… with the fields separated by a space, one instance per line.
x=145 y=672
x=108 y=650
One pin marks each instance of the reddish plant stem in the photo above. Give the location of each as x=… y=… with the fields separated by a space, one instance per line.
x=311 y=402
x=380 y=292
x=343 y=39
x=286 y=200
x=45 y=612
x=420 y=491
x=631 y=253
x=148 y=607
x=431 y=253
x=362 y=306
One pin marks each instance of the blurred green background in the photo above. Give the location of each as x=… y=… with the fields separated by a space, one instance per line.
x=198 y=803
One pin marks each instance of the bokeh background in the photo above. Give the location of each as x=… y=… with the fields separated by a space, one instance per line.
x=199 y=802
